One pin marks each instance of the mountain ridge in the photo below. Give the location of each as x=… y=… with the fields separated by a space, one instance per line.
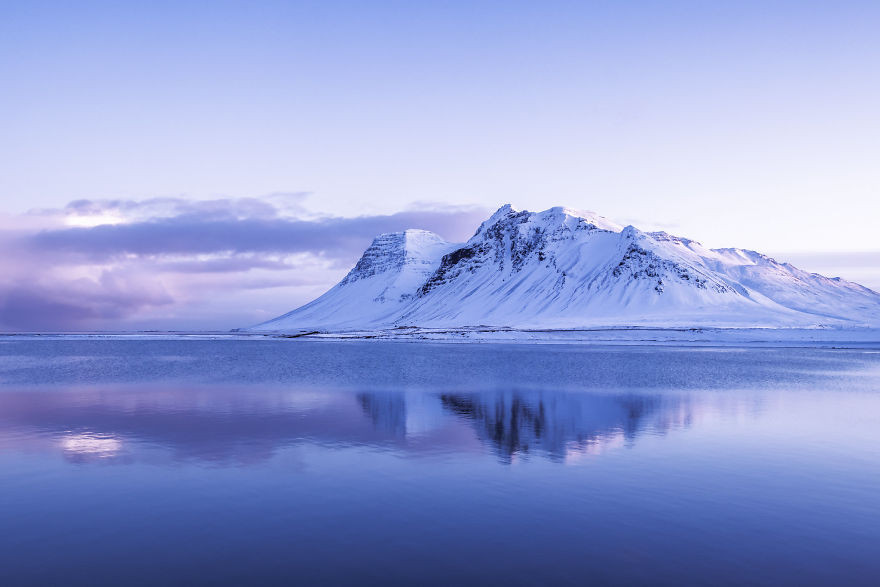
x=564 y=268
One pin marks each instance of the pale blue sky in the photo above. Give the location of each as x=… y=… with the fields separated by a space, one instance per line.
x=751 y=124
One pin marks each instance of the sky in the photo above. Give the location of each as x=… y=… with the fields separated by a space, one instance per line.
x=208 y=165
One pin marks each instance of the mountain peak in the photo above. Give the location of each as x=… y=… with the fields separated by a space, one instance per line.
x=504 y=209
x=393 y=250
x=589 y=216
x=550 y=219
x=404 y=236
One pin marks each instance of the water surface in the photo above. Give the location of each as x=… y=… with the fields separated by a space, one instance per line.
x=282 y=461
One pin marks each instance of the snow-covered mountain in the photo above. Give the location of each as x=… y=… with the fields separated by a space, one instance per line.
x=563 y=268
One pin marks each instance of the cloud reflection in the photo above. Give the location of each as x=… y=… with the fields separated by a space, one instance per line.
x=88 y=447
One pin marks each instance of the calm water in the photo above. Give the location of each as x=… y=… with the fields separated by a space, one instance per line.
x=241 y=461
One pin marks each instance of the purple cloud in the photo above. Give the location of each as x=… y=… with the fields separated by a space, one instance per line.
x=27 y=310
x=223 y=265
x=74 y=305
x=268 y=207
x=192 y=234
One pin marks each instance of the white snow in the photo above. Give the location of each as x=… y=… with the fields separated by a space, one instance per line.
x=385 y=279
x=565 y=269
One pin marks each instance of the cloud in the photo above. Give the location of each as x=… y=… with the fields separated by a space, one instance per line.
x=165 y=262
x=76 y=303
x=194 y=234
x=222 y=265
x=24 y=309
x=269 y=206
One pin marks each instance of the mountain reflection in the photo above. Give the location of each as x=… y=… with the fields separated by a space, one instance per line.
x=560 y=425
x=386 y=410
x=242 y=426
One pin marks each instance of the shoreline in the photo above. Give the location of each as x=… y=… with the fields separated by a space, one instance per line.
x=854 y=338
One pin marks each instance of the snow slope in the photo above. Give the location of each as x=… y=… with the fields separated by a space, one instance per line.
x=562 y=268
x=375 y=291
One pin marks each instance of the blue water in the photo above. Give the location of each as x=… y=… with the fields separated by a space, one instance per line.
x=308 y=462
